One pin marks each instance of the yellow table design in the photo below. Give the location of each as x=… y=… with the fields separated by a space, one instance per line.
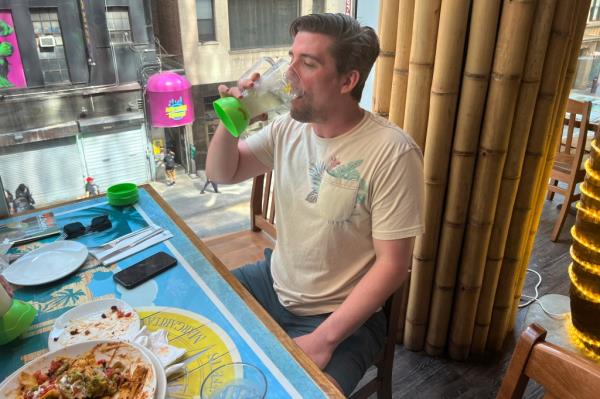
x=207 y=346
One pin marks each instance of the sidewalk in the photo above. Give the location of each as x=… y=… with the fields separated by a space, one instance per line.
x=207 y=214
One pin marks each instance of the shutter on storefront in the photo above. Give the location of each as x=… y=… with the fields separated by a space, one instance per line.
x=116 y=156
x=51 y=169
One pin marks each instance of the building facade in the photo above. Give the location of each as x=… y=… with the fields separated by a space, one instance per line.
x=70 y=94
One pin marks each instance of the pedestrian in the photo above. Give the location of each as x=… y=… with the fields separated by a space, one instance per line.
x=23 y=199
x=91 y=188
x=169 y=160
x=348 y=193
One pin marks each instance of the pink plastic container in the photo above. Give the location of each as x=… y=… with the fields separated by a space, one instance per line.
x=169 y=97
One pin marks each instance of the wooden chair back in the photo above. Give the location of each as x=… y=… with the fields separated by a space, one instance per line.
x=262 y=205
x=382 y=381
x=563 y=374
x=567 y=166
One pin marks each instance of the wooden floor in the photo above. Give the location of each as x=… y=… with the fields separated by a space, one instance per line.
x=417 y=375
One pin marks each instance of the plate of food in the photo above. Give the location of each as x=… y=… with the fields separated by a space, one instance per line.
x=94 y=369
x=161 y=377
x=110 y=319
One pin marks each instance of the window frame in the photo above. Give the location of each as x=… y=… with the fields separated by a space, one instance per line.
x=110 y=10
x=212 y=21
x=38 y=12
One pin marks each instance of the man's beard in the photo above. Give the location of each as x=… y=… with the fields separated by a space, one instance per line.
x=306 y=113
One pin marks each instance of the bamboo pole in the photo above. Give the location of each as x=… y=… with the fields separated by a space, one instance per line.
x=536 y=51
x=385 y=61
x=420 y=70
x=406 y=10
x=422 y=55
x=532 y=163
x=579 y=24
x=511 y=49
x=444 y=94
x=482 y=37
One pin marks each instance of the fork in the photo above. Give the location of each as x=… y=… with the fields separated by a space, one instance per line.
x=115 y=242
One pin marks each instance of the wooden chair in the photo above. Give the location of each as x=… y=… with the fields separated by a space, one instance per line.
x=562 y=373
x=243 y=247
x=568 y=167
x=382 y=382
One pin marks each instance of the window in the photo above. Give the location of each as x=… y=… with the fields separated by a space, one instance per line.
x=117 y=19
x=206 y=20
x=261 y=23
x=51 y=50
x=594 y=11
x=318 y=6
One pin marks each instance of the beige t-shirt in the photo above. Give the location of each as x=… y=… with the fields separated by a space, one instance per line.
x=333 y=196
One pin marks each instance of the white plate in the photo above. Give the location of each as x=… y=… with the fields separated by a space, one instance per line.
x=161 y=377
x=126 y=352
x=88 y=317
x=46 y=264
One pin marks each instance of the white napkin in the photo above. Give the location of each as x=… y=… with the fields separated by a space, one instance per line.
x=107 y=259
x=158 y=343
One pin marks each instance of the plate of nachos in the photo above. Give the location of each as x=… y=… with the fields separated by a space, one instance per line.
x=110 y=319
x=93 y=370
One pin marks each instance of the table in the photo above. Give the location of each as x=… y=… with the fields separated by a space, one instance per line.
x=199 y=303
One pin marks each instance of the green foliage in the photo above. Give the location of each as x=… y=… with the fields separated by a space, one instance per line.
x=6 y=49
x=5 y=29
x=4 y=82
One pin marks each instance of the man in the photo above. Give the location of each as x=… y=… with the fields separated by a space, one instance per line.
x=169 y=161
x=23 y=199
x=348 y=197
x=91 y=188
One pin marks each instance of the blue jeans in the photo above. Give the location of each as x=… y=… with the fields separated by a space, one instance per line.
x=350 y=359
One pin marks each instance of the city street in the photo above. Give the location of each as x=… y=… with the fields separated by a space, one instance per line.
x=207 y=214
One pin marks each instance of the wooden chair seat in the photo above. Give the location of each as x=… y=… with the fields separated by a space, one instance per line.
x=562 y=373
x=243 y=247
x=240 y=248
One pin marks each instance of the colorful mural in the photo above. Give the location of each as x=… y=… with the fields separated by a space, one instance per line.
x=11 y=66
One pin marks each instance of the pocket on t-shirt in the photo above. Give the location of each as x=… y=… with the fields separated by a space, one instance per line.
x=337 y=198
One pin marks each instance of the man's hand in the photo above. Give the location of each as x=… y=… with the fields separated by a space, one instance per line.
x=316 y=348
x=237 y=92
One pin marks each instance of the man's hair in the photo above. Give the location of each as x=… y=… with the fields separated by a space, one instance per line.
x=354 y=46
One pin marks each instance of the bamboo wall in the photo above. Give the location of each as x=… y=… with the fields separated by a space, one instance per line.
x=498 y=73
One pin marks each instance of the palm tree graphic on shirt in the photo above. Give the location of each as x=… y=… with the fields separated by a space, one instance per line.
x=336 y=169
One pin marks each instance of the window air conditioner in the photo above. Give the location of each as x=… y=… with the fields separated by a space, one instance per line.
x=47 y=41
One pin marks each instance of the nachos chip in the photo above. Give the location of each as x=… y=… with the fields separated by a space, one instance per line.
x=110 y=370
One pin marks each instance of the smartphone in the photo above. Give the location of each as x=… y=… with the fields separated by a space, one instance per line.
x=144 y=270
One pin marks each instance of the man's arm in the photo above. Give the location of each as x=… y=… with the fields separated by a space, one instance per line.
x=386 y=275
x=229 y=160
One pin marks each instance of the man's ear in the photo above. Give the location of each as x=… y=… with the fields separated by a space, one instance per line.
x=350 y=81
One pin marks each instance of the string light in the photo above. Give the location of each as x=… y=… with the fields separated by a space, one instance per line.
x=587 y=266
x=583 y=342
x=585 y=245
x=587 y=294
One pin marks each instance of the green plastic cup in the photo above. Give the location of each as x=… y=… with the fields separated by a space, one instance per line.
x=122 y=194
x=16 y=321
x=233 y=113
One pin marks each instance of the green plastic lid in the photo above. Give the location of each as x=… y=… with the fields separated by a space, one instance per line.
x=233 y=114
